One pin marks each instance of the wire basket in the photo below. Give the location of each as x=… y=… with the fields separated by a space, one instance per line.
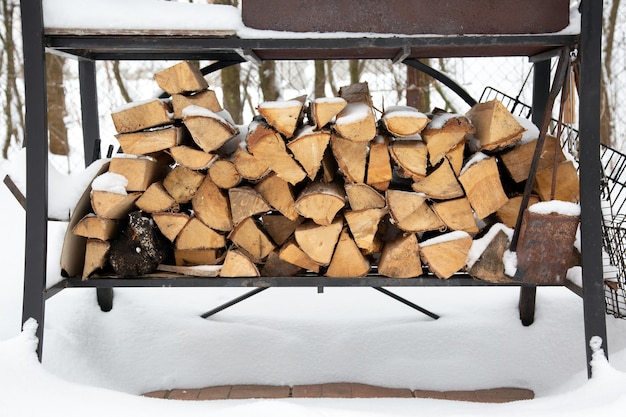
x=613 y=202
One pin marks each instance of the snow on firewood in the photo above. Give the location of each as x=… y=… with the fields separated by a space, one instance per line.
x=447 y=237
x=353 y=113
x=193 y=110
x=479 y=245
x=111 y=182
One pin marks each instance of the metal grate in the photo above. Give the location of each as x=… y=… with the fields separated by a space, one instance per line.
x=613 y=203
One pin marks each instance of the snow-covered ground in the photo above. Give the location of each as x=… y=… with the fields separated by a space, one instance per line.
x=97 y=363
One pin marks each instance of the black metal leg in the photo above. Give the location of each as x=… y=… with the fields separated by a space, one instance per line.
x=407 y=302
x=527 y=297
x=36 y=140
x=105 y=298
x=233 y=302
x=590 y=169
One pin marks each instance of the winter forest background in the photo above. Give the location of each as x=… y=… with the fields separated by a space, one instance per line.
x=241 y=88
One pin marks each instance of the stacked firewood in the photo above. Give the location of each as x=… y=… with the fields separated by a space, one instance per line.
x=324 y=186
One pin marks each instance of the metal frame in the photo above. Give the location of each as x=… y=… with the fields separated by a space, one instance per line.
x=90 y=47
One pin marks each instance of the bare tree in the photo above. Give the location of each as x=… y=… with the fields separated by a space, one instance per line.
x=57 y=110
x=607 y=101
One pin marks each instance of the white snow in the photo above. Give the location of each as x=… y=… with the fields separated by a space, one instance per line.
x=110 y=182
x=197 y=111
x=532 y=131
x=479 y=245
x=565 y=208
x=280 y=104
x=403 y=111
x=446 y=237
x=439 y=120
x=353 y=113
x=474 y=159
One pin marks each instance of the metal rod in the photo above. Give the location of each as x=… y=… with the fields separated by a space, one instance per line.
x=233 y=302
x=441 y=77
x=407 y=302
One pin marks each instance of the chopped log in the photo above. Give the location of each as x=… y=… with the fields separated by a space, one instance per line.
x=156 y=199
x=320 y=202
x=347 y=261
x=567 y=186
x=140 y=171
x=362 y=196
x=490 y=264
x=363 y=225
x=283 y=116
x=96 y=256
x=508 y=213
x=246 y=202
x=482 y=185
x=183 y=77
x=318 y=241
x=248 y=166
x=206 y=99
x=248 y=236
x=356 y=123
x=308 y=148
x=182 y=183
x=329 y=166
x=379 y=169
x=441 y=184
x=324 y=109
x=278 y=193
x=113 y=206
x=212 y=207
x=351 y=158
x=269 y=148
x=456 y=156
x=403 y=121
x=197 y=235
x=400 y=258
x=276 y=267
x=356 y=93
x=411 y=156
x=170 y=224
x=150 y=141
x=208 y=130
x=224 y=174
x=192 y=158
x=446 y=254
x=411 y=213
x=191 y=257
x=94 y=227
x=443 y=133
x=291 y=252
x=139 y=249
x=238 y=264
x=457 y=215
x=518 y=160
x=207 y=271
x=137 y=116
x=495 y=127
x=279 y=227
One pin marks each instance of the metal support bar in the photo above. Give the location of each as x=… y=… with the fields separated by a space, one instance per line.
x=89 y=109
x=590 y=169
x=441 y=77
x=233 y=302
x=36 y=140
x=407 y=302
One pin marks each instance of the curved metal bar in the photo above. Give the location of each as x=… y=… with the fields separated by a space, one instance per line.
x=441 y=77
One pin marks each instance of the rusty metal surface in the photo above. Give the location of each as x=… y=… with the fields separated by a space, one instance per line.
x=545 y=247
x=409 y=16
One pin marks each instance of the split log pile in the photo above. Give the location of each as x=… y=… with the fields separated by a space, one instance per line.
x=324 y=186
